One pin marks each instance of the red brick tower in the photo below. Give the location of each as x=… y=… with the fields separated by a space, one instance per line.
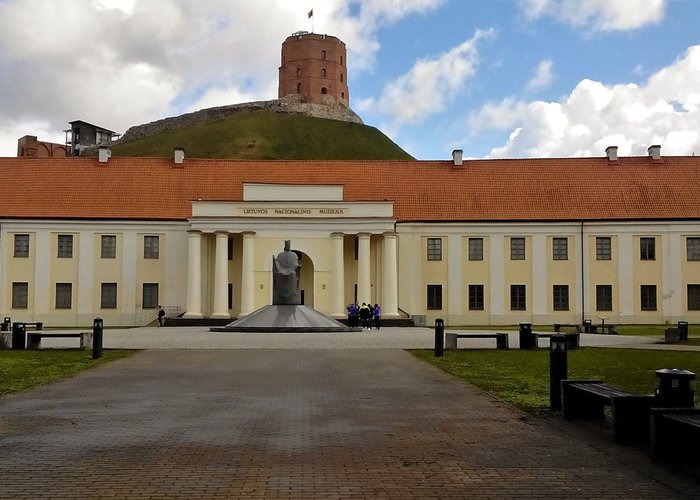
x=314 y=66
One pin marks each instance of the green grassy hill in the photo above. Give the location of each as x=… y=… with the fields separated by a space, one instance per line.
x=268 y=135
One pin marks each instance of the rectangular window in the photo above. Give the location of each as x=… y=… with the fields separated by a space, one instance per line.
x=603 y=248
x=476 y=249
x=434 y=248
x=517 y=249
x=21 y=245
x=647 y=248
x=692 y=245
x=648 y=296
x=108 y=246
x=20 y=295
x=560 y=248
x=603 y=297
x=65 y=246
x=64 y=295
x=434 y=296
x=517 y=298
x=561 y=297
x=150 y=295
x=109 y=296
x=693 y=297
x=476 y=297
x=151 y=247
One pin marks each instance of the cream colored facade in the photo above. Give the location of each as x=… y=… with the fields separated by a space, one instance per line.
x=219 y=264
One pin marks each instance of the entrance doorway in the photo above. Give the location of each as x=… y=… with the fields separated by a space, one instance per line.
x=306 y=278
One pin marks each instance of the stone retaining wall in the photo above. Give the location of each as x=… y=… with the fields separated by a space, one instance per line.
x=287 y=104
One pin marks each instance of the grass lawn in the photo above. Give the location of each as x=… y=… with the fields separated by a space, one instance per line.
x=21 y=370
x=522 y=377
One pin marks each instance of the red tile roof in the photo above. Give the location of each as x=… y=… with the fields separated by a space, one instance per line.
x=632 y=188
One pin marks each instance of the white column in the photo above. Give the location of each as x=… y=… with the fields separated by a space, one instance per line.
x=247 y=274
x=221 y=276
x=364 y=291
x=338 y=276
x=390 y=282
x=194 y=276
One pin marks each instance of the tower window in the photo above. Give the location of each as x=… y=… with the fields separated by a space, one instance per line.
x=298 y=71
x=299 y=88
x=341 y=78
x=324 y=90
x=323 y=72
x=342 y=95
x=323 y=55
x=341 y=60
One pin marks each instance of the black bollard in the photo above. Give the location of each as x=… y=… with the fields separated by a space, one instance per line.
x=527 y=339
x=439 y=338
x=97 y=338
x=19 y=335
x=558 y=368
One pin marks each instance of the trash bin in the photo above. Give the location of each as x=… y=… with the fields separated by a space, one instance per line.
x=527 y=340
x=586 y=326
x=6 y=324
x=19 y=336
x=674 y=390
x=683 y=331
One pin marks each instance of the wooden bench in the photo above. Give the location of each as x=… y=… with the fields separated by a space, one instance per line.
x=451 y=339
x=675 y=433
x=573 y=340
x=630 y=411
x=34 y=338
x=558 y=326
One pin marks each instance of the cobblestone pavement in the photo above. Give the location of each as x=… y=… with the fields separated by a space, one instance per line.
x=297 y=423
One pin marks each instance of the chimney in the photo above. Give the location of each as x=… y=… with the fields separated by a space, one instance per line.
x=611 y=153
x=457 y=157
x=655 y=152
x=104 y=153
x=179 y=156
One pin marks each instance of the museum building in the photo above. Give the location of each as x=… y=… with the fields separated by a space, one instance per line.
x=475 y=242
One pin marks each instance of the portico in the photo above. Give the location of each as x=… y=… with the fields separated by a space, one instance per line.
x=348 y=250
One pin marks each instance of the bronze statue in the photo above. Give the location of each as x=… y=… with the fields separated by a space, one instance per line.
x=285 y=277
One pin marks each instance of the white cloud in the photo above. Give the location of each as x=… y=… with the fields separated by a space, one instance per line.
x=664 y=110
x=119 y=63
x=597 y=15
x=428 y=86
x=543 y=76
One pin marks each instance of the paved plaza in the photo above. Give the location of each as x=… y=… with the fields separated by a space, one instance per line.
x=222 y=415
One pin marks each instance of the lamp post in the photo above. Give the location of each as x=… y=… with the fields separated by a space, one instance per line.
x=558 y=368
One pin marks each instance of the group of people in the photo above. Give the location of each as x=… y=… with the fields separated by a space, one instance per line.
x=363 y=315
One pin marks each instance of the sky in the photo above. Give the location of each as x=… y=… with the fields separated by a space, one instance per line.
x=495 y=78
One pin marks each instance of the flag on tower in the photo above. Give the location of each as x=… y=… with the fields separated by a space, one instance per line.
x=311 y=13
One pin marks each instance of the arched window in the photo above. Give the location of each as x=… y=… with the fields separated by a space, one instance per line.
x=342 y=95
x=298 y=71
x=323 y=72
x=324 y=90
x=341 y=78
x=323 y=55
x=299 y=88
x=341 y=60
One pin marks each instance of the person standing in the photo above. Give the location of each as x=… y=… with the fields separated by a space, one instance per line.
x=161 y=316
x=377 y=315
x=354 y=311
x=365 y=315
